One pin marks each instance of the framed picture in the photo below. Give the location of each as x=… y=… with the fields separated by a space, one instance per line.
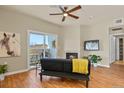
x=91 y=45
x=9 y=44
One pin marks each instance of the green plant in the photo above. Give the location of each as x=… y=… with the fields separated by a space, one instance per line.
x=94 y=58
x=3 y=69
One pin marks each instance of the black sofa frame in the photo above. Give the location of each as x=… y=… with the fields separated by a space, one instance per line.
x=45 y=69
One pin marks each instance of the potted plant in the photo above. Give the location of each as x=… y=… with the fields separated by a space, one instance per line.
x=94 y=59
x=3 y=70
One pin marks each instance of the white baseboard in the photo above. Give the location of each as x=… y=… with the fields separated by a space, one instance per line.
x=15 y=72
x=103 y=65
x=24 y=70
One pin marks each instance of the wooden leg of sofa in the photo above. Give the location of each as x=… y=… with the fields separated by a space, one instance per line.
x=87 y=81
x=40 y=76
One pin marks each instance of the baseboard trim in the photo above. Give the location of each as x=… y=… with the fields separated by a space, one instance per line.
x=103 y=65
x=25 y=70
x=15 y=72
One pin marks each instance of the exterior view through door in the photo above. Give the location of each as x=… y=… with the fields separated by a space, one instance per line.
x=41 y=46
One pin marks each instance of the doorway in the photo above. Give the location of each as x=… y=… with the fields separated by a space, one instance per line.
x=117 y=49
x=40 y=45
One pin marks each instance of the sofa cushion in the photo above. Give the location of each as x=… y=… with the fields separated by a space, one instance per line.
x=53 y=64
x=68 y=65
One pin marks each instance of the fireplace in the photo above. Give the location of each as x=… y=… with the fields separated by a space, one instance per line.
x=71 y=55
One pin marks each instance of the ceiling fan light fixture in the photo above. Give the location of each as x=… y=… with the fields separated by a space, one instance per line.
x=65 y=14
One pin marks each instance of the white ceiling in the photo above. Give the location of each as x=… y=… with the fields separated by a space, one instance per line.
x=88 y=14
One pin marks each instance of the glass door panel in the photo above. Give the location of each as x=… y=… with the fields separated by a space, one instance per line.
x=36 y=51
x=51 y=49
x=42 y=46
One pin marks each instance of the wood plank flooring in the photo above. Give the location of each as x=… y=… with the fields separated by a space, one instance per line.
x=119 y=62
x=100 y=78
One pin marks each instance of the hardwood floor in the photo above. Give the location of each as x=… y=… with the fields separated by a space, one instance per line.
x=119 y=62
x=100 y=78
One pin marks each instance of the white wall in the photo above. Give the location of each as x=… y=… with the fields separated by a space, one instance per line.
x=71 y=39
x=100 y=32
x=12 y=21
x=75 y=36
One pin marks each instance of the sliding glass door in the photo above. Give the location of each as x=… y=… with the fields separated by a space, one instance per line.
x=42 y=46
x=51 y=49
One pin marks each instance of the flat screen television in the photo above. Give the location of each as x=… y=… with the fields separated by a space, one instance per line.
x=91 y=45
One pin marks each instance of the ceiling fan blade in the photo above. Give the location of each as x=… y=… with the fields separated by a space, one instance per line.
x=76 y=17
x=61 y=9
x=65 y=8
x=74 y=9
x=56 y=14
x=63 y=19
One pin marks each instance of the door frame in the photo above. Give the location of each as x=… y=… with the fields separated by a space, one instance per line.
x=112 y=35
x=28 y=42
x=110 y=51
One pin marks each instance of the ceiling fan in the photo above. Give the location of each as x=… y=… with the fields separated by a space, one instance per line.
x=66 y=12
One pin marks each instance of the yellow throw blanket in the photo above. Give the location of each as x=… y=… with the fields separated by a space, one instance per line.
x=80 y=66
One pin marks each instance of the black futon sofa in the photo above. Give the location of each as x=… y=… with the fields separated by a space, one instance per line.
x=62 y=68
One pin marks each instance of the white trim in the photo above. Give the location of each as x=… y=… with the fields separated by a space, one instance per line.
x=111 y=59
x=107 y=66
x=15 y=72
x=28 y=63
x=101 y=65
x=112 y=35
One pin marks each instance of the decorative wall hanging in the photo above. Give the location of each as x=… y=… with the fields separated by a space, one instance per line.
x=9 y=44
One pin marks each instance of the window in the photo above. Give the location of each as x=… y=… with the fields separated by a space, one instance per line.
x=38 y=39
